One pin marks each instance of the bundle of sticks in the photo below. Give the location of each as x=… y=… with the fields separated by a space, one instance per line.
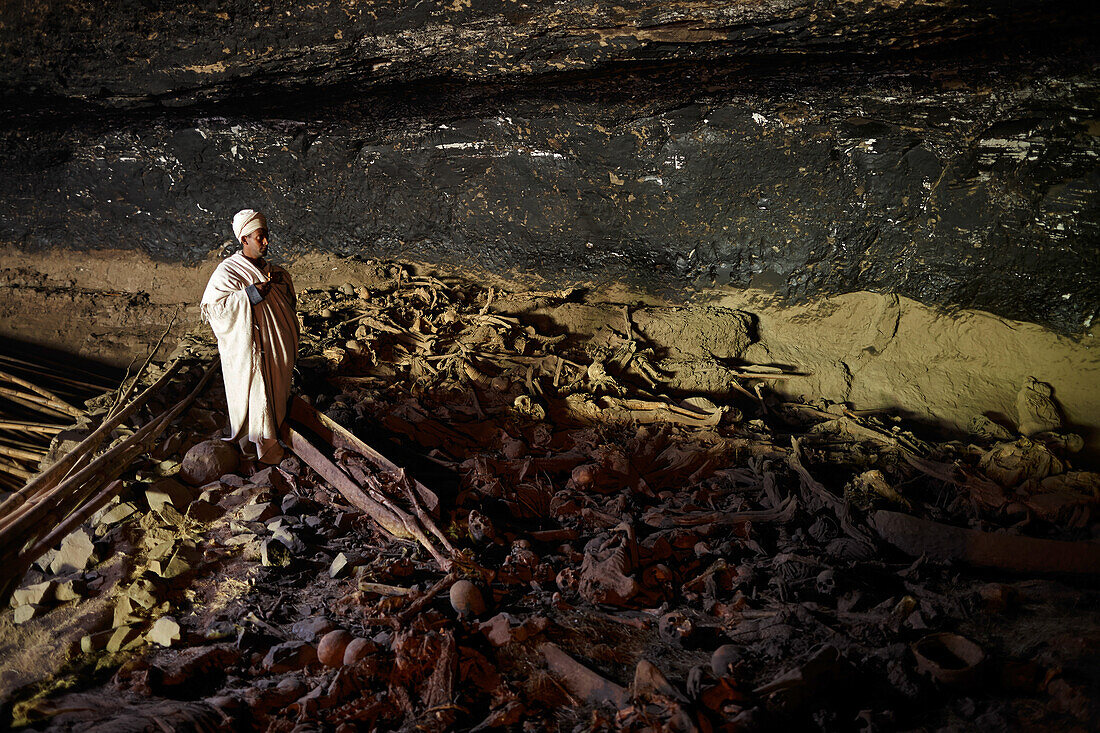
x=52 y=504
x=37 y=401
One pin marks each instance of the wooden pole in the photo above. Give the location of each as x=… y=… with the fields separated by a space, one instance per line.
x=50 y=396
x=15 y=528
x=53 y=474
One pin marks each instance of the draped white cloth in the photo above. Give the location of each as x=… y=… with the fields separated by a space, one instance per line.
x=257 y=344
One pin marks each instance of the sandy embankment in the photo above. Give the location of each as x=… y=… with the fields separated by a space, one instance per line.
x=873 y=351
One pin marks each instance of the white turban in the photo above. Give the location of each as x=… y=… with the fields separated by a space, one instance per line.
x=247 y=221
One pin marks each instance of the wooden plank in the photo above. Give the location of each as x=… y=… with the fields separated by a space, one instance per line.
x=338 y=436
x=326 y=469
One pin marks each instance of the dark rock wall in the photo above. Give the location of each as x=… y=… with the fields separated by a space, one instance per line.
x=946 y=151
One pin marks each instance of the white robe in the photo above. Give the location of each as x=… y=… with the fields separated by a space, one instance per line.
x=257 y=344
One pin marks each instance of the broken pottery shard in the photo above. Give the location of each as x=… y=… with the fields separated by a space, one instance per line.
x=208 y=461
x=918 y=537
x=581 y=681
x=76 y=550
x=36 y=594
x=165 y=631
x=1036 y=408
x=289 y=656
x=168 y=491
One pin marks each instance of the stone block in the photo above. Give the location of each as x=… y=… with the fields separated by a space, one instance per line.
x=168 y=491
x=208 y=461
x=75 y=553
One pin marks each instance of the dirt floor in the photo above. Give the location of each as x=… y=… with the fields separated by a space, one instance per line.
x=639 y=529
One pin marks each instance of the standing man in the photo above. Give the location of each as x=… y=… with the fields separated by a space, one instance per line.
x=249 y=303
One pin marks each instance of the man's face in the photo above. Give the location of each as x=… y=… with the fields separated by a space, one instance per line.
x=254 y=245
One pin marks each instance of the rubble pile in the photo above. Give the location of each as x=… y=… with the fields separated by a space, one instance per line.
x=619 y=551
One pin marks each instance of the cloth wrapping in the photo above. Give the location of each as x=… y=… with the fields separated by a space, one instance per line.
x=247 y=221
x=257 y=344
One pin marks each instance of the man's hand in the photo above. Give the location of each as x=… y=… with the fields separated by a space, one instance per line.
x=263 y=288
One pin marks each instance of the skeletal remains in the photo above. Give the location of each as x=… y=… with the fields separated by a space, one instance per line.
x=487 y=524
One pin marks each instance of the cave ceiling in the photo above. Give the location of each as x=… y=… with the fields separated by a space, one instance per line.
x=943 y=150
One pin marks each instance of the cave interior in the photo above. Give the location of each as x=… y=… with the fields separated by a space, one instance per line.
x=683 y=366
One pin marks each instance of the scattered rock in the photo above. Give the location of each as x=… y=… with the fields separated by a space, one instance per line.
x=343 y=563
x=312 y=629
x=36 y=594
x=165 y=631
x=44 y=561
x=177 y=565
x=274 y=553
x=257 y=512
x=25 y=613
x=123 y=611
x=70 y=589
x=289 y=656
x=143 y=593
x=203 y=511
x=168 y=491
x=75 y=553
x=90 y=643
x=117 y=513
x=208 y=461
x=123 y=637
x=273 y=478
